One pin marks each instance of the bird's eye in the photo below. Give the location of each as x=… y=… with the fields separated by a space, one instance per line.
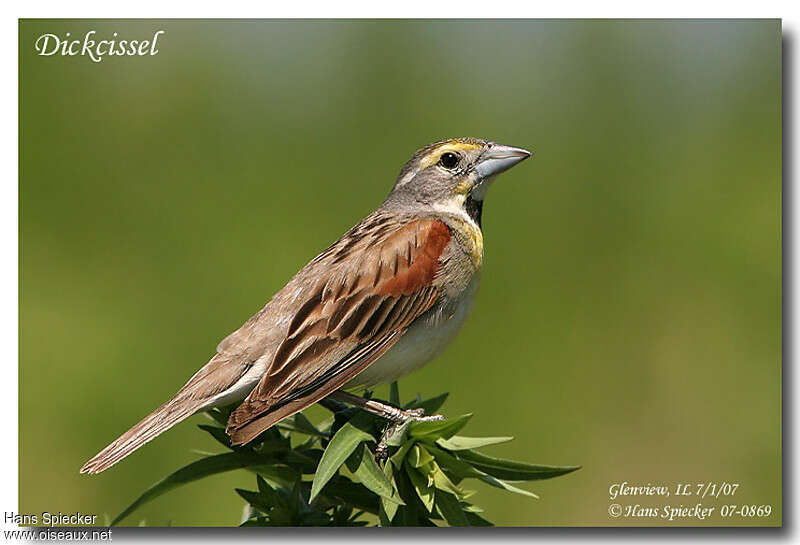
x=448 y=160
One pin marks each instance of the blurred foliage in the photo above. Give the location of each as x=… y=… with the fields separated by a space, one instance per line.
x=418 y=482
x=629 y=314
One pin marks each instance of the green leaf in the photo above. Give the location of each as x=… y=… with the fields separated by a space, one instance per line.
x=276 y=475
x=488 y=479
x=202 y=453
x=362 y=464
x=299 y=423
x=468 y=494
x=442 y=482
x=437 y=429
x=477 y=520
x=430 y=405
x=418 y=456
x=315 y=519
x=266 y=491
x=398 y=457
x=349 y=436
x=255 y=500
x=270 y=445
x=390 y=507
x=325 y=425
x=342 y=490
x=399 y=435
x=511 y=470
x=192 y=472
x=298 y=499
x=424 y=491
x=459 y=442
x=220 y=415
x=414 y=513
x=352 y=520
x=459 y=468
x=450 y=509
x=383 y=517
x=217 y=433
x=424 y=481
x=304 y=460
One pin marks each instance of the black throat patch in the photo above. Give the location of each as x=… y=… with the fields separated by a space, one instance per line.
x=474 y=209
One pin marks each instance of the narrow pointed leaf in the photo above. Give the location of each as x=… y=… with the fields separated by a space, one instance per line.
x=203 y=453
x=383 y=517
x=438 y=428
x=297 y=500
x=390 y=507
x=299 y=423
x=442 y=482
x=425 y=492
x=276 y=444
x=414 y=513
x=512 y=470
x=398 y=457
x=255 y=500
x=418 y=456
x=221 y=414
x=389 y=510
x=394 y=394
x=304 y=460
x=430 y=405
x=362 y=464
x=276 y=475
x=400 y=435
x=457 y=467
x=354 y=519
x=349 y=436
x=343 y=490
x=488 y=479
x=265 y=490
x=325 y=425
x=192 y=472
x=466 y=494
x=217 y=433
x=247 y=513
x=450 y=509
x=459 y=442
x=477 y=520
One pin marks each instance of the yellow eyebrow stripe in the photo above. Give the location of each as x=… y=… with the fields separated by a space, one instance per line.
x=433 y=156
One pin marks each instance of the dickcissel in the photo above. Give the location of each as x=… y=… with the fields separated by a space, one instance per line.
x=380 y=302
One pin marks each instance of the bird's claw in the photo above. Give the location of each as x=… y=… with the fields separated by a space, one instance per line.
x=418 y=415
x=382 y=451
x=429 y=418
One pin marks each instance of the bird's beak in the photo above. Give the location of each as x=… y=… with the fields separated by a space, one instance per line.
x=498 y=158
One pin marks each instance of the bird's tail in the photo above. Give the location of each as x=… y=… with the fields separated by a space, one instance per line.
x=148 y=429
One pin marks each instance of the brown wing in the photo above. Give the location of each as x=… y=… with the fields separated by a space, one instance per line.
x=356 y=312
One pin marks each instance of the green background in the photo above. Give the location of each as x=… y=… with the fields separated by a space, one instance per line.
x=629 y=318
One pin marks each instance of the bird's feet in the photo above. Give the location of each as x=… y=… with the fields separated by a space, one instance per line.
x=419 y=416
x=394 y=415
x=397 y=419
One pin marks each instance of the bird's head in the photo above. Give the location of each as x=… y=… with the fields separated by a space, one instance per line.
x=454 y=174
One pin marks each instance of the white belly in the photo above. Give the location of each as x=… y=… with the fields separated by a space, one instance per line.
x=424 y=340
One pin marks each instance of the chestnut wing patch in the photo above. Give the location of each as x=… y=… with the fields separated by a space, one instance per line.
x=372 y=296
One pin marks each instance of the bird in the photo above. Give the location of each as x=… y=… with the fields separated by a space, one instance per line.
x=380 y=302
